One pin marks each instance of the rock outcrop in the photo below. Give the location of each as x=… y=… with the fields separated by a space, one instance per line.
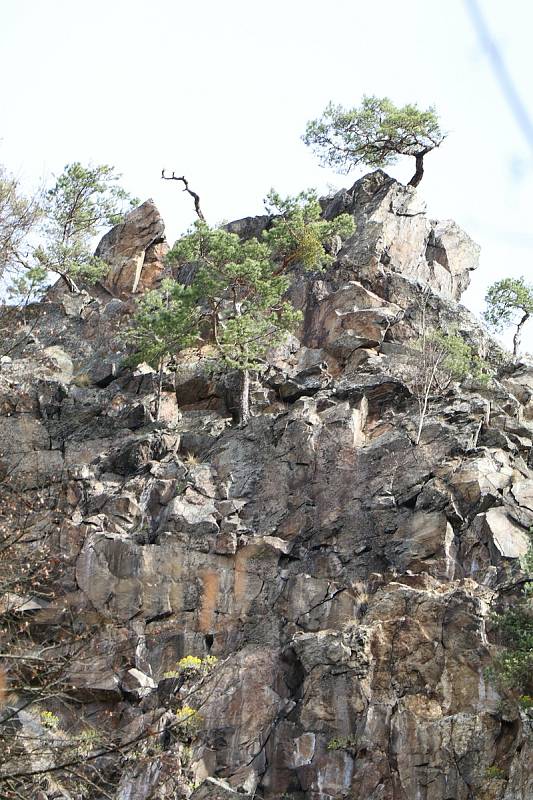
x=134 y=250
x=342 y=576
x=393 y=230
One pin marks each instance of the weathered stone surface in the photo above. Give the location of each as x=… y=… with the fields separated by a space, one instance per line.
x=393 y=231
x=249 y=227
x=508 y=538
x=342 y=575
x=523 y=493
x=134 y=250
x=426 y=544
x=350 y=318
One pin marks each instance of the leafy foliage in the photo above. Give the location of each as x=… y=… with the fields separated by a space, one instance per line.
x=53 y=232
x=495 y=773
x=239 y=285
x=188 y=721
x=441 y=359
x=82 y=202
x=298 y=234
x=459 y=358
x=49 y=720
x=509 y=302
x=375 y=133
x=513 y=667
x=18 y=216
x=506 y=299
x=192 y=666
x=342 y=743
x=235 y=300
x=166 y=320
x=239 y=297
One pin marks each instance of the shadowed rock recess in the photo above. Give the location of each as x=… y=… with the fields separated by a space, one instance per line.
x=342 y=576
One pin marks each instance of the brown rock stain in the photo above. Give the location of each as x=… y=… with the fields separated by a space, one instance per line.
x=240 y=585
x=210 y=582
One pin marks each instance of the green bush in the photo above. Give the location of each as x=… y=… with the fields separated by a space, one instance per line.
x=341 y=743
x=513 y=667
x=495 y=772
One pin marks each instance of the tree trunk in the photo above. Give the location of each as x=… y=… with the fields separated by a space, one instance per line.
x=421 y=417
x=518 y=334
x=244 y=398
x=159 y=391
x=419 y=172
x=73 y=289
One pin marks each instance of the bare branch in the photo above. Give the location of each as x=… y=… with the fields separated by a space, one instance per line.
x=194 y=196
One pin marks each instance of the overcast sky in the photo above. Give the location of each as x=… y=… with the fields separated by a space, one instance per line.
x=220 y=91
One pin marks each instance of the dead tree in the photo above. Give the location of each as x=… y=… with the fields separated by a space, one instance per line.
x=185 y=182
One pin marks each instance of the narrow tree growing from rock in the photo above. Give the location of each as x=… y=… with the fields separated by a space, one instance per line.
x=375 y=133
x=442 y=358
x=19 y=219
x=509 y=302
x=19 y=215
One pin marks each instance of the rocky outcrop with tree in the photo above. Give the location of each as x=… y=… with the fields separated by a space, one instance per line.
x=301 y=607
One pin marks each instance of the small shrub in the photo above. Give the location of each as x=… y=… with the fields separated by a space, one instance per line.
x=341 y=743
x=192 y=666
x=513 y=668
x=49 y=720
x=525 y=701
x=439 y=359
x=88 y=740
x=495 y=772
x=82 y=380
x=188 y=720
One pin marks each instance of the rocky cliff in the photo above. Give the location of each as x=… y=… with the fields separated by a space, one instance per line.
x=333 y=581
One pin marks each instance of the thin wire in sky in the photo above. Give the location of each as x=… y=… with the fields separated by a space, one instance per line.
x=509 y=90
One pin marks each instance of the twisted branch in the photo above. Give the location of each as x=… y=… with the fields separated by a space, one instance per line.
x=194 y=196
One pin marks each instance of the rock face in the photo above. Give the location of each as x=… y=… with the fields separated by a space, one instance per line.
x=342 y=576
x=134 y=250
x=393 y=230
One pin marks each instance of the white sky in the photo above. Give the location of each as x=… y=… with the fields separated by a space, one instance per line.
x=220 y=90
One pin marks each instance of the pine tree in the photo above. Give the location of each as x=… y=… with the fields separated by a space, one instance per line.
x=509 y=302
x=236 y=300
x=240 y=308
x=376 y=133
x=82 y=202
x=166 y=320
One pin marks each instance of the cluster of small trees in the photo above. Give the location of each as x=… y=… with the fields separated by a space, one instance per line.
x=236 y=301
